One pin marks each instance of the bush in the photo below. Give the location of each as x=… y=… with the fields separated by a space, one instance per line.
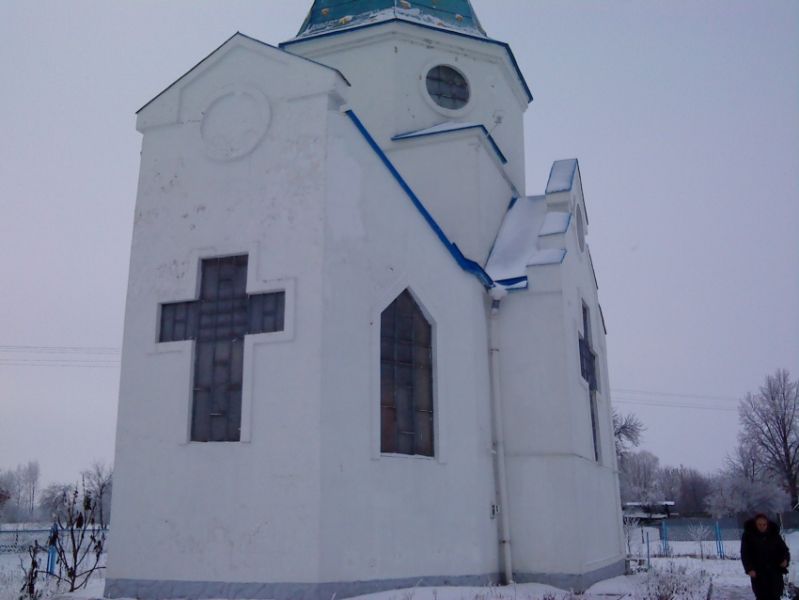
x=675 y=582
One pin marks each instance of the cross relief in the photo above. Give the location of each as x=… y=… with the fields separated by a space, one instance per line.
x=217 y=322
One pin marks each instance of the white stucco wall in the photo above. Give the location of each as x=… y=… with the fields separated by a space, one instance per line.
x=564 y=507
x=388 y=64
x=401 y=516
x=461 y=181
x=224 y=511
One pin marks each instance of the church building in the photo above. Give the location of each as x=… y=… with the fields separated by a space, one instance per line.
x=358 y=355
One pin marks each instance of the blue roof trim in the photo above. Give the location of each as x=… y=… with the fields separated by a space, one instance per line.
x=571 y=178
x=218 y=48
x=568 y=224
x=505 y=45
x=515 y=283
x=418 y=134
x=466 y=264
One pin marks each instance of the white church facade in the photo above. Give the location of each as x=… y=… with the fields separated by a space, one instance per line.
x=357 y=355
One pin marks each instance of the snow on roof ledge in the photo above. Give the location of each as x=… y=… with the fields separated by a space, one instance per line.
x=555 y=223
x=516 y=247
x=561 y=177
x=450 y=127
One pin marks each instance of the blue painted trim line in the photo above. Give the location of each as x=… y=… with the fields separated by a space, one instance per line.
x=506 y=46
x=419 y=134
x=466 y=264
x=514 y=283
x=512 y=202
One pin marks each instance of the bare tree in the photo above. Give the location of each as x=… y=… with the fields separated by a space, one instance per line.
x=770 y=421
x=699 y=532
x=627 y=430
x=746 y=461
x=670 y=483
x=79 y=540
x=694 y=491
x=30 y=482
x=98 y=481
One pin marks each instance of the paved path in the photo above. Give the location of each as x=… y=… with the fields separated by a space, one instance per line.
x=722 y=592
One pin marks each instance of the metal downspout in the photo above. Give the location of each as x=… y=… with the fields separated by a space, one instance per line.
x=497 y=294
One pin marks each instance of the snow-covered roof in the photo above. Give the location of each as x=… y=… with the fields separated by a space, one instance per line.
x=450 y=127
x=333 y=15
x=517 y=245
x=561 y=177
x=555 y=223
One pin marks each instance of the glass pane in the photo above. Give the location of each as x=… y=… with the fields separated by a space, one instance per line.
x=388 y=429
x=406 y=389
x=424 y=434
x=447 y=87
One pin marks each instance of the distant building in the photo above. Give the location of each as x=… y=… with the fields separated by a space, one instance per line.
x=650 y=512
x=357 y=355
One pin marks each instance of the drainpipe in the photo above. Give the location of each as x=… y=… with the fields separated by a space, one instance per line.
x=497 y=294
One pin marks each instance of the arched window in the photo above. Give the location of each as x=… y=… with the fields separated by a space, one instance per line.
x=406 y=379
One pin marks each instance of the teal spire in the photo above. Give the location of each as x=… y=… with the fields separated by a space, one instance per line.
x=330 y=15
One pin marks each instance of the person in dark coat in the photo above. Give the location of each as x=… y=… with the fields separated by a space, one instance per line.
x=765 y=557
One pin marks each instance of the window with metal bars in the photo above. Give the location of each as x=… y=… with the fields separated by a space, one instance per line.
x=447 y=87
x=406 y=379
x=217 y=323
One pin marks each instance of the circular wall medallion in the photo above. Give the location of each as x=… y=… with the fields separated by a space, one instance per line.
x=234 y=123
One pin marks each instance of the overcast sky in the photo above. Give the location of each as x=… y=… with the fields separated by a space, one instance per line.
x=684 y=116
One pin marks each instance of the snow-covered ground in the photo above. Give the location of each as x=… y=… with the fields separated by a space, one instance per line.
x=728 y=579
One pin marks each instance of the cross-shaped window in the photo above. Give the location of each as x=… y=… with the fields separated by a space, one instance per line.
x=218 y=322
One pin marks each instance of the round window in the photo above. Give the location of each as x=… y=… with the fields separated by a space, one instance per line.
x=447 y=87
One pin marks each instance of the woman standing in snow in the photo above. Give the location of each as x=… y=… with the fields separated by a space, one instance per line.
x=764 y=556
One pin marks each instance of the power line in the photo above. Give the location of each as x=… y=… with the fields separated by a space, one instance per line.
x=674 y=405
x=675 y=394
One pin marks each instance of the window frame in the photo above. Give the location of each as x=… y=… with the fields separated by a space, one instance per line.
x=428 y=98
x=259 y=281
x=411 y=360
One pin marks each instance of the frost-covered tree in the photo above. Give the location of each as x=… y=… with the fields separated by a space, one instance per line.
x=770 y=422
x=639 y=477
x=627 y=431
x=733 y=493
x=51 y=500
x=699 y=532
